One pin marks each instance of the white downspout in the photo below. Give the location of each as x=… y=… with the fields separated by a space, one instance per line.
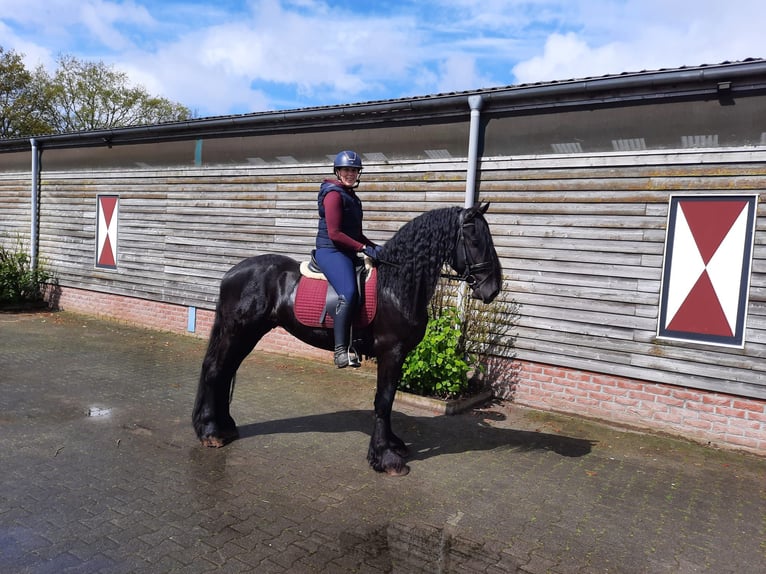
x=475 y=103
x=35 y=194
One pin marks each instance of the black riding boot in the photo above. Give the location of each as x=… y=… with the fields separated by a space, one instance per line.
x=345 y=355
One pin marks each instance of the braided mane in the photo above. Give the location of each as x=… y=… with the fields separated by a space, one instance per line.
x=418 y=251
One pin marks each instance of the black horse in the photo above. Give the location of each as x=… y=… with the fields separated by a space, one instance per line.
x=258 y=294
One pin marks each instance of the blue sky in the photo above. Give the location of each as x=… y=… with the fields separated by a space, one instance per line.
x=229 y=57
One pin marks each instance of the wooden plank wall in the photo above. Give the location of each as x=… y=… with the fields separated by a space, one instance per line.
x=181 y=229
x=581 y=239
x=15 y=219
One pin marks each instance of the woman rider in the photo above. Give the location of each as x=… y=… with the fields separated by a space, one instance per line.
x=339 y=239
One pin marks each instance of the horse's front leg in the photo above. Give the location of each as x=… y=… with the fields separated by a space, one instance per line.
x=387 y=451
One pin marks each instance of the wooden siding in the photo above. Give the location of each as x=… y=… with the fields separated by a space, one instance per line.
x=15 y=199
x=181 y=229
x=581 y=239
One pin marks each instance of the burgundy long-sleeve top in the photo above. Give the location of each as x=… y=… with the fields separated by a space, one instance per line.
x=333 y=214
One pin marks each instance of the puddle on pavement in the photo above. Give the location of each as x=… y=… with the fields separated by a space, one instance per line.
x=421 y=548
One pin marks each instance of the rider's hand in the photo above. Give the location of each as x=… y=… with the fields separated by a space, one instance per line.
x=372 y=251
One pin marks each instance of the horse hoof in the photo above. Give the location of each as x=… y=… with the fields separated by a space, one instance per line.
x=217 y=441
x=212 y=442
x=403 y=471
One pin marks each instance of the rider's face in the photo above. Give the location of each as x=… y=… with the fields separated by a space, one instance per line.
x=348 y=175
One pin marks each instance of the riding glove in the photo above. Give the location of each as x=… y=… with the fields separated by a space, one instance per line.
x=372 y=251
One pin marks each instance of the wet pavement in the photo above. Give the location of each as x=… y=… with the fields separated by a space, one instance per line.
x=101 y=472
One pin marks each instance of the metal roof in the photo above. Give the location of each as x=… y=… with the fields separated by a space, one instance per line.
x=724 y=82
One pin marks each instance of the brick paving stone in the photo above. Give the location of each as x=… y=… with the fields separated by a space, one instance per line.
x=102 y=473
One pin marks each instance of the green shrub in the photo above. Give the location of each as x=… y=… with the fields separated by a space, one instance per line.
x=463 y=338
x=19 y=282
x=438 y=366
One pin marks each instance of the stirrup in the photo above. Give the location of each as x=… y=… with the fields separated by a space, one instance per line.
x=346 y=358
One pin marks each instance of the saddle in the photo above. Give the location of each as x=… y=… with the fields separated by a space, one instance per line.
x=315 y=298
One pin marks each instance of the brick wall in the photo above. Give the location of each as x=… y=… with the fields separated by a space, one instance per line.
x=153 y=314
x=708 y=417
x=169 y=317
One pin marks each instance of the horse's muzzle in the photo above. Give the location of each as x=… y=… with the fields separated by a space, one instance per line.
x=485 y=293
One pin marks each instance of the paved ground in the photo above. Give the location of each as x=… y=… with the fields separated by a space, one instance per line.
x=100 y=472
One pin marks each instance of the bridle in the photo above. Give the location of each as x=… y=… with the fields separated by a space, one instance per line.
x=462 y=257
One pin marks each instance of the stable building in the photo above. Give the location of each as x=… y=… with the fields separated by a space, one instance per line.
x=624 y=208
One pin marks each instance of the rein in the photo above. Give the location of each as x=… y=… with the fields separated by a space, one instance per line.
x=390 y=263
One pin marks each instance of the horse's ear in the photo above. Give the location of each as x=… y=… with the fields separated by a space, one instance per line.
x=471 y=212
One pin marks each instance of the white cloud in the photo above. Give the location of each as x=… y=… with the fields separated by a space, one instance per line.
x=91 y=25
x=253 y=55
x=33 y=54
x=612 y=38
x=105 y=20
x=459 y=72
x=567 y=56
x=295 y=51
x=177 y=73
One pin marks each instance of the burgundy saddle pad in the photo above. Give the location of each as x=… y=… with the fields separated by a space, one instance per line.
x=311 y=298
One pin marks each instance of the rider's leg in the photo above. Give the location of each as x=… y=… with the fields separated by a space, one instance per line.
x=345 y=355
x=339 y=270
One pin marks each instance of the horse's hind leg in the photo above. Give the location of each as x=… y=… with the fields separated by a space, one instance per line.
x=226 y=350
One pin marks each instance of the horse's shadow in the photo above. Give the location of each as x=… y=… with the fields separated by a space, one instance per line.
x=429 y=436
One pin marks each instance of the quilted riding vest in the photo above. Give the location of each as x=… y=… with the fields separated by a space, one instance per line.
x=352 y=214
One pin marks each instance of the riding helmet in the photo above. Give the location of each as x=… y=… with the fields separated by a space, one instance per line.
x=348 y=158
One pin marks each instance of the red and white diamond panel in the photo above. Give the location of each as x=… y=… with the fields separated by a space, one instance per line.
x=707 y=269
x=106 y=231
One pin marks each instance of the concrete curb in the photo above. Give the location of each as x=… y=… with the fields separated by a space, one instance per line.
x=441 y=406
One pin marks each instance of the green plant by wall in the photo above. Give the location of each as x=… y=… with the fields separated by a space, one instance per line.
x=438 y=366
x=20 y=283
x=463 y=340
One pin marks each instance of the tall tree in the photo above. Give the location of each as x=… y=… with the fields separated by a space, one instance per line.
x=91 y=95
x=19 y=99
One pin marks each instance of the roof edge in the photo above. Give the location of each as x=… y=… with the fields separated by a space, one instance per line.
x=697 y=81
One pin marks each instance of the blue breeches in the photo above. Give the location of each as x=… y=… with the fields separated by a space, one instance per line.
x=340 y=272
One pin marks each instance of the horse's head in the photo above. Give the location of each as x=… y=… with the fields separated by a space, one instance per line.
x=475 y=258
